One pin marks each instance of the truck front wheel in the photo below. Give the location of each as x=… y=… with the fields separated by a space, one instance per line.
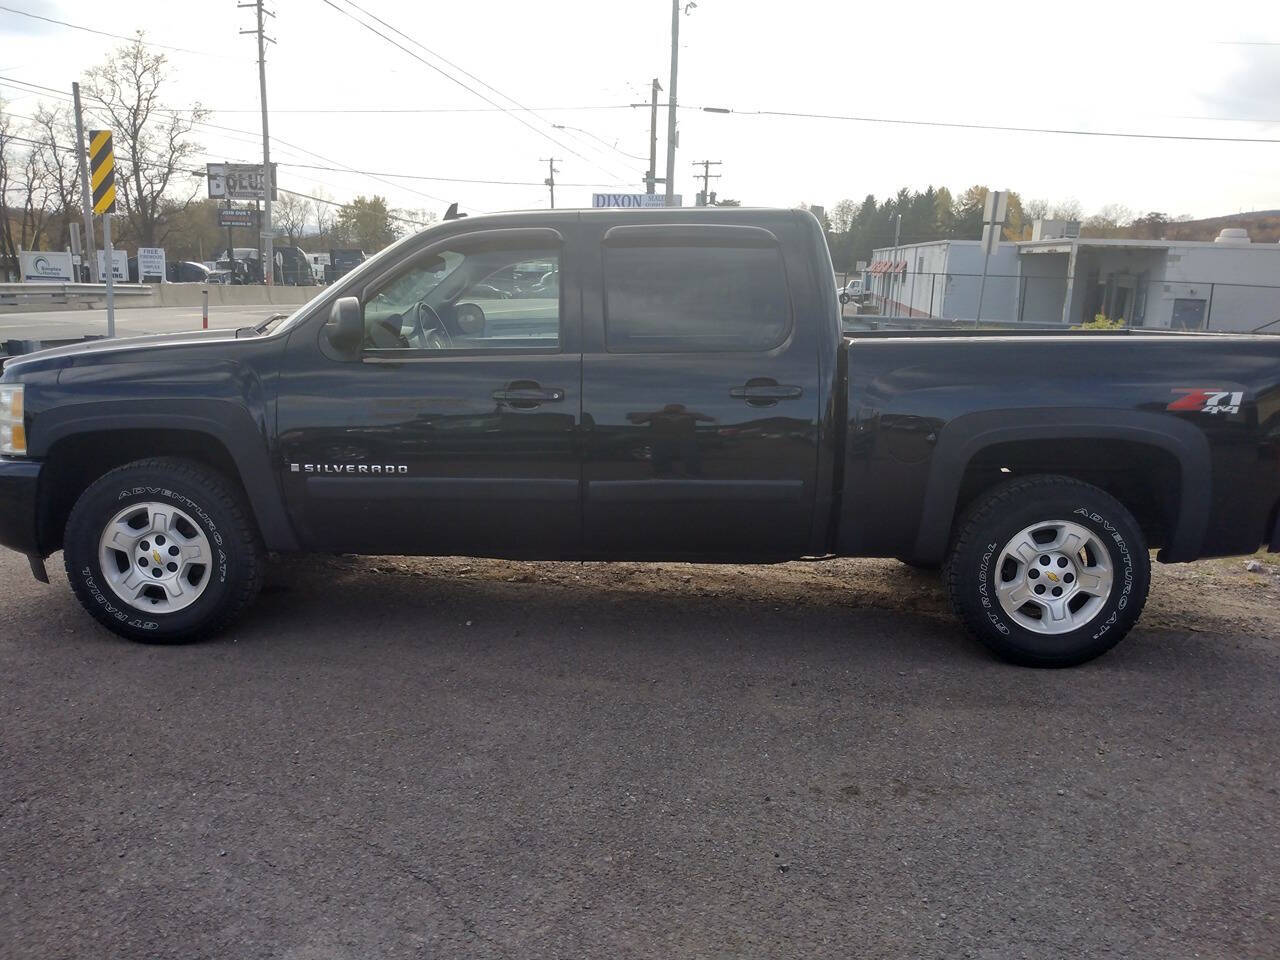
x=162 y=551
x=1048 y=571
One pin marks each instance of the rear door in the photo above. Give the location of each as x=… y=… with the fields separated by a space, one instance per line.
x=700 y=393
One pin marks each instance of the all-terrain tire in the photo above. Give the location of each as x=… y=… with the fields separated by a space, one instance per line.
x=221 y=522
x=974 y=570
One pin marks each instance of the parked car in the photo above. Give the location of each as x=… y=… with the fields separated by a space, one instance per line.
x=688 y=395
x=186 y=271
x=852 y=292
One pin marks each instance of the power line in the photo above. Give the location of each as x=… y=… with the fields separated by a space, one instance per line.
x=453 y=79
x=337 y=168
x=419 y=176
x=463 y=71
x=958 y=125
x=115 y=36
x=600 y=140
x=199 y=174
x=393 y=110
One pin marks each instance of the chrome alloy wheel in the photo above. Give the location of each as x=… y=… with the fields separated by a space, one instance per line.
x=1053 y=577
x=155 y=558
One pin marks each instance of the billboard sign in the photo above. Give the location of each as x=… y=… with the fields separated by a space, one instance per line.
x=150 y=262
x=239 y=181
x=642 y=201
x=39 y=265
x=237 y=217
x=119 y=265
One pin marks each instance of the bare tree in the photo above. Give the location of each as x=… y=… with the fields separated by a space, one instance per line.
x=56 y=154
x=153 y=145
x=842 y=215
x=409 y=220
x=1036 y=209
x=30 y=185
x=322 y=208
x=289 y=214
x=1117 y=213
x=1068 y=210
x=8 y=247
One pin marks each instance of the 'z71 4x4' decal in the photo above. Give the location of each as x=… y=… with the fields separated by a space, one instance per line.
x=1207 y=401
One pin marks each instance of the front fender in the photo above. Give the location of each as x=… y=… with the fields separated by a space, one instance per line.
x=220 y=400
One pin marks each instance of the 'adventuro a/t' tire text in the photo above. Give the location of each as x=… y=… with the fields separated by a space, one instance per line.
x=1048 y=571
x=162 y=551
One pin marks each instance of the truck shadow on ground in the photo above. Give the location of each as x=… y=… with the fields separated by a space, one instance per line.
x=787 y=605
x=863 y=607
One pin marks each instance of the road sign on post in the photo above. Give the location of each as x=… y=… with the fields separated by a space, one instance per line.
x=239 y=181
x=150 y=263
x=993 y=217
x=102 y=182
x=237 y=217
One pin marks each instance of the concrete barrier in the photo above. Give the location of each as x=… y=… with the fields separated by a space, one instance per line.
x=229 y=295
x=41 y=297
x=35 y=297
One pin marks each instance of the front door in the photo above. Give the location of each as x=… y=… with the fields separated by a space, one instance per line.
x=455 y=431
x=700 y=394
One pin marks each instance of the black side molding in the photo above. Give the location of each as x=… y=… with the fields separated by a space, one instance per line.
x=684 y=490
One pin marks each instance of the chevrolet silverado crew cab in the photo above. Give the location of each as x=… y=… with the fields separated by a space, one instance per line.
x=663 y=385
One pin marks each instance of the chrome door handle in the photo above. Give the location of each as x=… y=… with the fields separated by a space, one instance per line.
x=764 y=392
x=528 y=395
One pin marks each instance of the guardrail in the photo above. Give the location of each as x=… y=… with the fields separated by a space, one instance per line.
x=15 y=294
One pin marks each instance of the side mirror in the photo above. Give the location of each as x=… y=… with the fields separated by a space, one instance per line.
x=344 y=331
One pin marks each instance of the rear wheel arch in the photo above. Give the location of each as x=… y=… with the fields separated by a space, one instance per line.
x=972 y=443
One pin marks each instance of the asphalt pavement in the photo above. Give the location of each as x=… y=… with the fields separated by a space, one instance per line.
x=437 y=759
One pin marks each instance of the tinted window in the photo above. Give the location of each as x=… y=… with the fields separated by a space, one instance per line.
x=675 y=299
x=482 y=297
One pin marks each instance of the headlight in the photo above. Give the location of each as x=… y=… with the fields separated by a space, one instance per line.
x=13 y=435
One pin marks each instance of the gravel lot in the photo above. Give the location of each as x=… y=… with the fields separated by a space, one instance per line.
x=463 y=758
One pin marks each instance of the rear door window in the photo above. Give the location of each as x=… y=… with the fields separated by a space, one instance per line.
x=694 y=299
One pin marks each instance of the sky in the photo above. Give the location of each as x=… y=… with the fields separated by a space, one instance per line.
x=1136 y=66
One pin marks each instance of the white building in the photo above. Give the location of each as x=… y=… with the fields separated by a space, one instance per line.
x=1225 y=284
x=943 y=278
x=1063 y=279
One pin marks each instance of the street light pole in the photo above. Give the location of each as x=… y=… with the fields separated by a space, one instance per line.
x=671 y=99
x=267 y=244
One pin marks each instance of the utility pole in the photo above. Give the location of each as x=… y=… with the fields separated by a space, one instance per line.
x=896 y=282
x=671 y=96
x=86 y=198
x=266 y=244
x=650 y=178
x=551 y=177
x=704 y=198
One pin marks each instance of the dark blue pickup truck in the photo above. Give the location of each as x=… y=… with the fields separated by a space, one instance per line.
x=667 y=384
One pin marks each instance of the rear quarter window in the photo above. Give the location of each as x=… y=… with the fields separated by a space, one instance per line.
x=694 y=299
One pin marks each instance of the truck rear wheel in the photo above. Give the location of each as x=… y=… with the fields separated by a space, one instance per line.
x=162 y=551
x=1047 y=571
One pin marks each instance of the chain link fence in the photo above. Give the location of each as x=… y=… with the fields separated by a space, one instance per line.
x=924 y=299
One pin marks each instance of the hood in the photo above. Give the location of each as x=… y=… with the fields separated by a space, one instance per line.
x=67 y=354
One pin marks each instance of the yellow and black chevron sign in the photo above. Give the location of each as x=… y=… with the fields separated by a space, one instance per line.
x=102 y=171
